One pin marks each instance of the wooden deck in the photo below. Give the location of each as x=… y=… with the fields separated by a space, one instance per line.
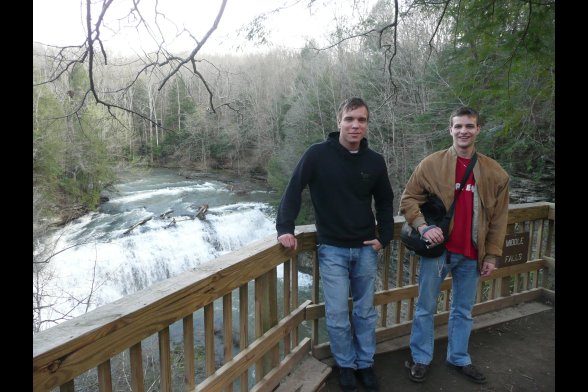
x=514 y=347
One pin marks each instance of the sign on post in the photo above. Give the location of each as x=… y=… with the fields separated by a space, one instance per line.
x=515 y=250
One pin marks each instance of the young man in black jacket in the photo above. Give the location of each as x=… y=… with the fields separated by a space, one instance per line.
x=343 y=175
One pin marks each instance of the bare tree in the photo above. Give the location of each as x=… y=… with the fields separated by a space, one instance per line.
x=93 y=54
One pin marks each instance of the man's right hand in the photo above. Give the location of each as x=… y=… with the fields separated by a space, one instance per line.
x=288 y=241
x=433 y=234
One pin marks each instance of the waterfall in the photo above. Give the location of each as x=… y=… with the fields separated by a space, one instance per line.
x=95 y=263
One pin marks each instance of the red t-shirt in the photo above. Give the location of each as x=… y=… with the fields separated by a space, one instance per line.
x=460 y=239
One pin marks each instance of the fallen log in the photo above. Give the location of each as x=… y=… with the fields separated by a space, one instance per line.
x=166 y=213
x=137 y=224
x=201 y=211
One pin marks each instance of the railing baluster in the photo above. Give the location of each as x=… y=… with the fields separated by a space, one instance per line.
x=446 y=299
x=244 y=330
x=164 y=360
x=314 y=329
x=260 y=290
x=136 y=359
x=209 y=339
x=399 y=278
x=385 y=276
x=273 y=315
x=295 y=299
x=525 y=281
x=286 y=303
x=104 y=377
x=228 y=331
x=539 y=252
x=550 y=236
x=189 y=368
x=535 y=279
x=68 y=387
x=412 y=280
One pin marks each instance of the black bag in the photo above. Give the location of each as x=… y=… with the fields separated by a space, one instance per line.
x=435 y=214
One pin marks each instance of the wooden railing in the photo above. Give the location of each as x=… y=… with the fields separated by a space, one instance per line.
x=232 y=324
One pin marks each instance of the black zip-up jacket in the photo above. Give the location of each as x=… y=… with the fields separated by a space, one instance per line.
x=341 y=187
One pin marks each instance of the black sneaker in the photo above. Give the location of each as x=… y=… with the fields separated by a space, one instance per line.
x=347 y=379
x=368 y=378
x=470 y=372
x=417 y=372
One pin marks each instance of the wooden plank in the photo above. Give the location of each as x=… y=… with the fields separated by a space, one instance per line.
x=68 y=387
x=228 y=326
x=314 y=328
x=411 y=280
x=232 y=369
x=189 y=358
x=104 y=377
x=286 y=304
x=276 y=375
x=209 y=360
x=273 y=313
x=136 y=359
x=479 y=292
x=493 y=289
x=399 y=278
x=244 y=331
x=504 y=286
x=260 y=292
x=550 y=238
x=446 y=299
x=307 y=377
x=551 y=213
x=295 y=298
x=535 y=279
x=527 y=212
x=164 y=361
x=384 y=282
x=532 y=240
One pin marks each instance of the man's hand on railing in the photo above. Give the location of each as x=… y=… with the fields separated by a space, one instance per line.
x=288 y=240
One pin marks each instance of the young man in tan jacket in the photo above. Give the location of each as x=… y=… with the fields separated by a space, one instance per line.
x=476 y=237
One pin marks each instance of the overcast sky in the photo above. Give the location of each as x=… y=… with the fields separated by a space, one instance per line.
x=59 y=22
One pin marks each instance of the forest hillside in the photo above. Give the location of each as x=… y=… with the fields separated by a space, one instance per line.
x=95 y=114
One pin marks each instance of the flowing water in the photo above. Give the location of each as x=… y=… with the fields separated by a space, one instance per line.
x=93 y=261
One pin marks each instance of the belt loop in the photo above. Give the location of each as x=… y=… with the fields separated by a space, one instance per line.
x=447 y=258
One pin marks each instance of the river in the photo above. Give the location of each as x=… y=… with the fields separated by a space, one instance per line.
x=93 y=262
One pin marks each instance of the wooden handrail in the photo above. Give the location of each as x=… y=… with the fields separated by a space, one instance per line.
x=63 y=352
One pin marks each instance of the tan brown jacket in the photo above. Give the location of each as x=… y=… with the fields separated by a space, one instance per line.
x=436 y=174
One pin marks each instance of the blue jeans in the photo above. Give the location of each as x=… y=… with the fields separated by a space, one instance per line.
x=465 y=276
x=342 y=269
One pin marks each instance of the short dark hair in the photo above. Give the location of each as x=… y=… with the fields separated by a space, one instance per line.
x=351 y=104
x=464 y=111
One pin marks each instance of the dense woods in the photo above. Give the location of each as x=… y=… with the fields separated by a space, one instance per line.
x=254 y=114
